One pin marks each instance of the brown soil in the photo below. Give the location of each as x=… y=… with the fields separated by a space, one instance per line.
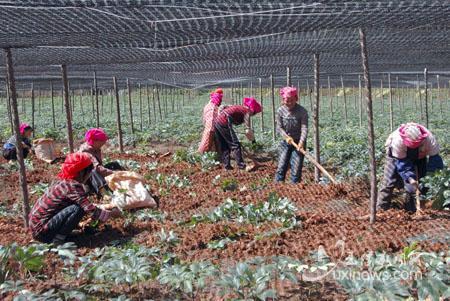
x=327 y=214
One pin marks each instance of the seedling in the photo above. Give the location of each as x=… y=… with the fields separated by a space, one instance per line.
x=229 y=185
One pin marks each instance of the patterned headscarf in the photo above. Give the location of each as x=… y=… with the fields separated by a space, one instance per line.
x=95 y=134
x=413 y=134
x=287 y=92
x=73 y=164
x=253 y=105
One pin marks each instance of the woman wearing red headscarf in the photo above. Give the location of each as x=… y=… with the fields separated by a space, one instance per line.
x=209 y=116
x=229 y=142
x=94 y=140
x=9 y=148
x=65 y=202
x=407 y=149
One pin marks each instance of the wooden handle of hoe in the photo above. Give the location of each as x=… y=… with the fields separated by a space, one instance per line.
x=417 y=193
x=313 y=161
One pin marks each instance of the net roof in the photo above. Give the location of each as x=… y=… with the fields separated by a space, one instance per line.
x=200 y=43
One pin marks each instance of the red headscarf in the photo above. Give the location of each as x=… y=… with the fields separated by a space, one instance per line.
x=287 y=92
x=23 y=127
x=218 y=90
x=95 y=134
x=73 y=164
x=413 y=134
x=216 y=98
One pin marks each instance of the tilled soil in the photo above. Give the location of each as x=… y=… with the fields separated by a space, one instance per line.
x=327 y=214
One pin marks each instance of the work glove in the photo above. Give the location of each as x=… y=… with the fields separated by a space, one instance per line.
x=289 y=140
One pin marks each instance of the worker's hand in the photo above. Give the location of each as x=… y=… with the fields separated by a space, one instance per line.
x=24 y=145
x=300 y=146
x=115 y=212
x=249 y=134
x=289 y=140
x=413 y=182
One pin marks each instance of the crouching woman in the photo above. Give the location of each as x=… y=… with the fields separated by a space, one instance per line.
x=65 y=202
x=9 y=148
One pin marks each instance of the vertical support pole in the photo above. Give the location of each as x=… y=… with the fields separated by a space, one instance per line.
x=425 y=75
x=154 y=103
x=102 y=101
x=16 y=125
x=67 y=106
x=33 y=106
x=53 y=105
x=391 y=109
x=382 y=94
x=368 y=94
x=119 y=123
x=345 y=100
x=272 y=94
x=140 y=107
x=8 y=104
x=159 y=103
x=262 y=104
x=288 y=77
x=360 y=101
x=148 y=105
x=439 y=99
x=398 y=94
x=97 y=117
x=330 y=97
x=309 y=96
x=316 y=115
x=130 y=105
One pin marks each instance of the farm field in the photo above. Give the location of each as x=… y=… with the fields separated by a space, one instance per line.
x=216 y=227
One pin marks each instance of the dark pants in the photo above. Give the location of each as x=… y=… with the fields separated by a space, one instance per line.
x=229 y=143
x=11 y=153
x=288 y=155
x=392 y=179
x=61 y=224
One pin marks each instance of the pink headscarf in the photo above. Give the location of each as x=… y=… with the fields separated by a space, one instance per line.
x=22 y=128
x=253 y=105
x=95 y=135
x=413 y=134
x=216 y=98
x=287 y=92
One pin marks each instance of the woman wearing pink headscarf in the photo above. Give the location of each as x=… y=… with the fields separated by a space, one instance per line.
x=9 y=148
x=229 y=142
x=407 y=149
x=207 y=143
x=94 y=140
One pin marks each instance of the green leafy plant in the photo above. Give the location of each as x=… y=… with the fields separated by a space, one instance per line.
x=39 y=189
x=19 y=262
x=438 y=185
x=229 y=185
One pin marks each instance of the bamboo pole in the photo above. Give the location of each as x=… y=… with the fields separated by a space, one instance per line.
x=262 y=104
x=288 y=77
x=16 y=126
x=391 y=109
x=140 y=107
x=130 y=106
x=272 y=89
x=53 y=105
x=119 y=123
x=67 y=106
x=159 y=103
x=425 y=75
x=345 y=100
x=316 y=115
x=33 y=107
x=382 y=95
x=439 y=99
x=372 y=159
x=97 y=117
x=360 y=101
x=148 y=105
x=330 y=98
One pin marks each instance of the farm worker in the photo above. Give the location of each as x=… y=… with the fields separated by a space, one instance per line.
x=65 y=202
x=235 y=115
x=292 y=125
x=209 y=116
x=407 y=149
x=9 y=148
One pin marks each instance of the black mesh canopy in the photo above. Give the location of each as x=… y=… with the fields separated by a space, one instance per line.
x=199 y=43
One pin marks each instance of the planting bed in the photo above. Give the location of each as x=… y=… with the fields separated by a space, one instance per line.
x=326 y=215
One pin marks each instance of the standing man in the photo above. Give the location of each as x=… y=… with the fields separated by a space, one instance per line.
x=292 y=125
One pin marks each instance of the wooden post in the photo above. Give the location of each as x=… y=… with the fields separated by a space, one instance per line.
x=288 y=77
x=309 y=96
x=102 y=101
x=33 y=106
x=262 y=104
x=97 y=117
x=316 y=115
x=8 y=104
x=382 y=95
x=154 y=104
x=345 y=100
x=159 y=103
x=67 y=106
x=148 y=105
x=53 y=105
x=81 y=104
x=272 y=89
x=439 y=95
x=368 y=94
x=330 y=97
x=360 y=101
x=398 y=94
x=130 y=105
x=16 y=126
x=140 y=107
x=119 y=123
x=391 y=109
x=425 y=75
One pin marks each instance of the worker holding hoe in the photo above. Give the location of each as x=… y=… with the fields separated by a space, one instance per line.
x=229 y=142
x=407 y=149
x=210 y=112
x=9 y=148
x=66 y=201
x=292 y=125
